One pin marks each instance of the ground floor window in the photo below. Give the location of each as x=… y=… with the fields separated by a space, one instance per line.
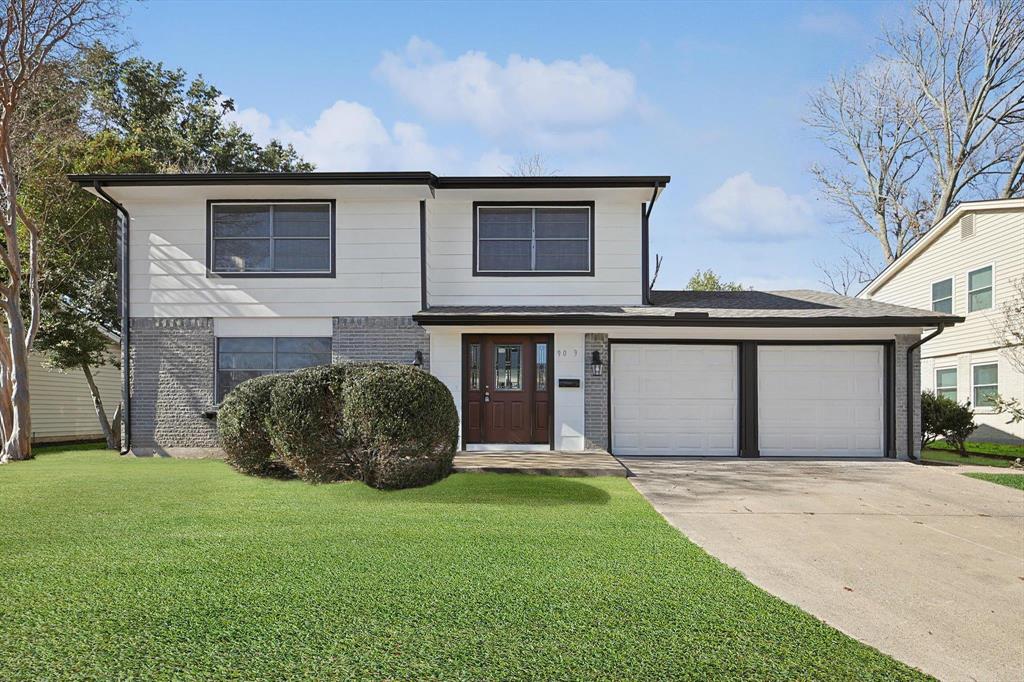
x=241 y=358
x=945 y=383
x=986 y=384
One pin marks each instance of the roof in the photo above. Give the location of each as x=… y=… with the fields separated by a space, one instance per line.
x=374 y=178
x=921 y=245
x=795 y=308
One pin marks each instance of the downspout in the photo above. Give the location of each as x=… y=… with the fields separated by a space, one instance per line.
x=126 y=409
x=910 y=387
x=645 y=271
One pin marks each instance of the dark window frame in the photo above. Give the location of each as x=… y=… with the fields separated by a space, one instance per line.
x=216 y=359
x=284 y=274
x=477 y=205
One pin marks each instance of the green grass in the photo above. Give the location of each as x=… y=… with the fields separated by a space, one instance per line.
x=932 y=455
x=117 y=568
x=983 y=448
x=1009 y=480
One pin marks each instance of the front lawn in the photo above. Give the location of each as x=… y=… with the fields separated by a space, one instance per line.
x=1004 y=449
x=1009 y=480
x=116 y=568
x=930 y=455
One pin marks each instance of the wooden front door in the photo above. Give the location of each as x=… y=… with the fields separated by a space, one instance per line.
x=507 y=383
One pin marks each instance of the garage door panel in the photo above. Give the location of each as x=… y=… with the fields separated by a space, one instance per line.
x=674 y=399
x=821 y=401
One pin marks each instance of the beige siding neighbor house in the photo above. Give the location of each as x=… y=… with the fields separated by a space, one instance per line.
x=966 y=265
x=62 y=407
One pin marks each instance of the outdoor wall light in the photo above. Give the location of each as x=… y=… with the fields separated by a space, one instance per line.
x=417 y=360
x=596 y=365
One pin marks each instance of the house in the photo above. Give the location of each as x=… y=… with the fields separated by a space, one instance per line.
x=61 y=403
x=527 y=297
x=970 y=264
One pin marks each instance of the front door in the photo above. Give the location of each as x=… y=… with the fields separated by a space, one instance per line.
x=507 y=380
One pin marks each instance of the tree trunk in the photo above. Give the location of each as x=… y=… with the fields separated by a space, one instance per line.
x=18 y=445
x=115 y=425
x=101 y=414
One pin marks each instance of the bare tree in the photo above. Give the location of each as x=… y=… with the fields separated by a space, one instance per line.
x=530 y=166
x=33 y=35
x=966 y=61
x=866 y=119
x=657 y=270
x=1009 y=338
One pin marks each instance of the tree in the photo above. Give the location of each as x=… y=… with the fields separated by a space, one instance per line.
x=945 y=418
x=530 y=166
x=935 y=118
x=707 y=280
x=131 y=116
x=33 y=36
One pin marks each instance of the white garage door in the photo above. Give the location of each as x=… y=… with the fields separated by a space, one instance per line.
x=821 y=401
x=674 y=399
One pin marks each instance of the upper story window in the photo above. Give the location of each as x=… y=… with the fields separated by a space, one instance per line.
x=942 y=296
x=979 y=289
x=286 y=238
x=542 y=239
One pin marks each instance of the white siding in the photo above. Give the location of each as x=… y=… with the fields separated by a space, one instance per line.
x=62 y=405
x=617 y=260
x=377 y=259
x=998 y=241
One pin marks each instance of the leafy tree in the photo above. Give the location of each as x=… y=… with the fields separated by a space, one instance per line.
x=130 y=116
x=945 y=418
x=707 y=280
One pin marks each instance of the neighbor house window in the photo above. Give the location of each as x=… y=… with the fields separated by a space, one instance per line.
x=271 y=238
x=537 y=239
x=942 y=296
x=945 y=383
x=979 y=289
x=986 y=384
x=239 y=359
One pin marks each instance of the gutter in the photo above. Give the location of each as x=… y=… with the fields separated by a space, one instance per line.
x=126 y=332
x=910 y=387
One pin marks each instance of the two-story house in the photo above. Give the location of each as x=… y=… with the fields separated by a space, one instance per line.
x=527 y=297
x=970 y=264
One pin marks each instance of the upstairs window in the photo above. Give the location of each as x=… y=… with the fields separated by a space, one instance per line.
x=534 y=240
x=979 y=289
x=271 y=239
x=942 y=296
x=241 y=358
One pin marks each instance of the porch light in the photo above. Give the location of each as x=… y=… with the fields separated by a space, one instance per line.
x=596 y=365
x=417 y=360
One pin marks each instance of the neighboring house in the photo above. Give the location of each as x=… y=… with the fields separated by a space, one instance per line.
x=62 y=408
x=965 y=265
x=527 y=297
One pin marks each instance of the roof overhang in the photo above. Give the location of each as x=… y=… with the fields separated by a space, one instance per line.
x=931 y=235
x=429 y=318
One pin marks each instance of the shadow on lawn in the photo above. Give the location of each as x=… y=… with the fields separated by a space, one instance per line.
x=505 y=489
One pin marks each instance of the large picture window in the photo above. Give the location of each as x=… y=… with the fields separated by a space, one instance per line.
x=241 y=358
x=271 y=239
x=531 y=240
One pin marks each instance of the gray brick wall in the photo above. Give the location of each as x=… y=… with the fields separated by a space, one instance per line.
x=595 y=394
x=379 y=339
x=904 y=341
x=172 y=368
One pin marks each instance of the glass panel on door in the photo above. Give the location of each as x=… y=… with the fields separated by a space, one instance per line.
x=542 y=366
x=508 y=370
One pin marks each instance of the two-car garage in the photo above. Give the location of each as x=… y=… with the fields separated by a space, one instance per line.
x=706 y=399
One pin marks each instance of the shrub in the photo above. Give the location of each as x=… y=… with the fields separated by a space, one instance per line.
x=241 y=425
x=306 y=412
x=945 y=418
x=403 y=424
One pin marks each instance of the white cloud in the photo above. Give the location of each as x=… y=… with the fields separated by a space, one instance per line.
x=833 y=23
x=742 y=209
x=562 y=103
x=350 y=136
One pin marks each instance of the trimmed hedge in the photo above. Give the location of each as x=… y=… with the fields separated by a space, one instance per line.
x=306 y=414
x=403 y=424
x=241 y=424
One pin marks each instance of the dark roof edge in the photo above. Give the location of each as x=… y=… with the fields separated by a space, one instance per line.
x=573 y=319
x=381 y=178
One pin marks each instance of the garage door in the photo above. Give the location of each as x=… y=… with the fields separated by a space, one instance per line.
x=674 y=399
x=821 y=401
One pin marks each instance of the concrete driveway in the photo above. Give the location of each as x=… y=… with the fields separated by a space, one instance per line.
x=920 y=562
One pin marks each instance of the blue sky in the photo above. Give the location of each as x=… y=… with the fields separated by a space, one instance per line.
x=711 y=94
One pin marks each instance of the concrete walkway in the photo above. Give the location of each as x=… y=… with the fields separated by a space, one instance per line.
x=920 y=562
x=549 y=463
